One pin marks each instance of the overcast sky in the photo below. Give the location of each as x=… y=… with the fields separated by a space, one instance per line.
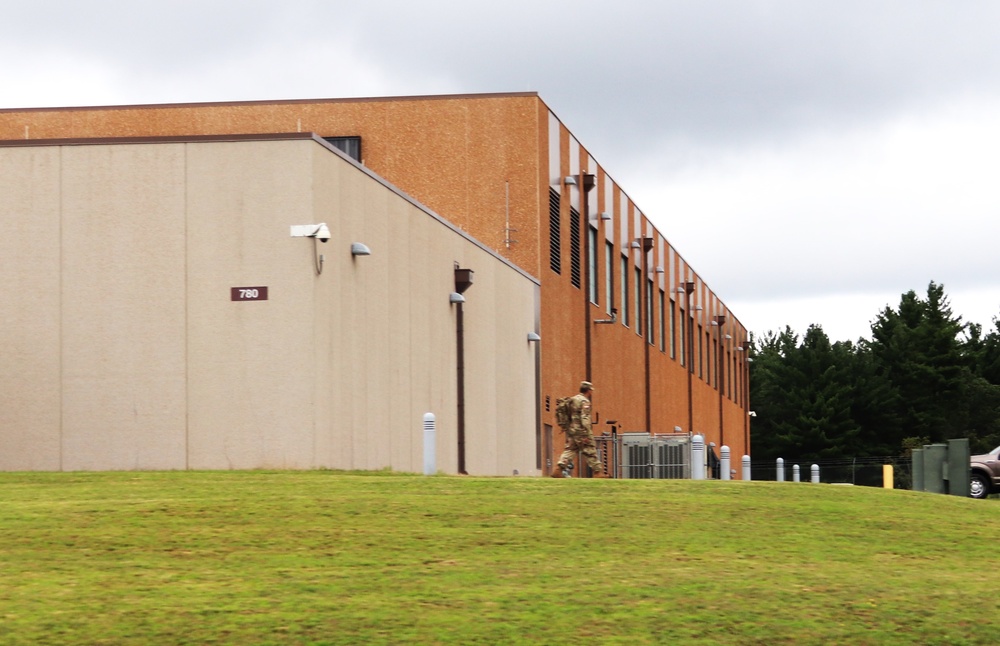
x=811 y=160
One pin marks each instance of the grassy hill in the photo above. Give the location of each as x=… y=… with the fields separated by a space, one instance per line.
x=326 y=557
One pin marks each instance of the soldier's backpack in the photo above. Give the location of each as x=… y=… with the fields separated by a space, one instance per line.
x=562 y=412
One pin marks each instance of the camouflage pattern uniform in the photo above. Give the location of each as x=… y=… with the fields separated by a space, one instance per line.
x=579 y=436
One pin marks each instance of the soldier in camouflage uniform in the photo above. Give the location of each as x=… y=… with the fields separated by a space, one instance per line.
x=579 y=436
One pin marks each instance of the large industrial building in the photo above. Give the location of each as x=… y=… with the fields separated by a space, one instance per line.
x=617 y=305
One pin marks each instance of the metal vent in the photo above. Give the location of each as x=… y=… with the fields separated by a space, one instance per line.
x=555 y=241
x=574 y=248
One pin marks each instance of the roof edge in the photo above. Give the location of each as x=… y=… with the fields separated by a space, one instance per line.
x=191 y=104
x=171 y=139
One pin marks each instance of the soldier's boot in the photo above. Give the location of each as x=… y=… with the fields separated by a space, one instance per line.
x=557 y=471
x=600 y=474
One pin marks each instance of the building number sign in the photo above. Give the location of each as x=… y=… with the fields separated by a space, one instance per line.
x=248 y=293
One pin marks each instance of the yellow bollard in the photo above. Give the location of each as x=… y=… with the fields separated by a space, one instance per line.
x=887 y=476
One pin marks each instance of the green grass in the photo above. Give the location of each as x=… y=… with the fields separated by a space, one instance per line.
x=325 y=557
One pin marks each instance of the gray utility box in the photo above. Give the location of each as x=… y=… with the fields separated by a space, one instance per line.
x=942 y=468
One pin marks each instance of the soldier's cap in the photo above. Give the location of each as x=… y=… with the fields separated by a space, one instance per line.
x=586 y=385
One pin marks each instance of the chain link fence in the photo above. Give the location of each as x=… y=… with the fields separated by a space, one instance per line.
x=864 y=471
x=644 y=456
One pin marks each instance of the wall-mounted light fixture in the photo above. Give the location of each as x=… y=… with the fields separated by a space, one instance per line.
x=658 y=270
x=533 y=337
x=635 y=245
x=569 y=180
x=360 y=249
x=455 y=297
x=604 y=215
x=463 y=279
x=319 y=232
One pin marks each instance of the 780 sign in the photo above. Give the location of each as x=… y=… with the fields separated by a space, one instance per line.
x=248 y=293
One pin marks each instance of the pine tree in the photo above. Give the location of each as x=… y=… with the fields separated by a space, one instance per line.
x=918 y=350
x=804 y=396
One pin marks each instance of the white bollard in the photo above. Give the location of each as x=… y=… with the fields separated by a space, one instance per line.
x=746 y=467
x=698 y=457
x=795 y=473
x=724 y=458
x=781 y=469
x=814 y=474
x=430 y=448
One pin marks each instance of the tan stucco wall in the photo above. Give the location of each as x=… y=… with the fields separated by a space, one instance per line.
x=123 y=350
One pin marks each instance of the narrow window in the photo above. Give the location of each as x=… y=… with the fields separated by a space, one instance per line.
x=663 y=322
x=732 y=375
x=638 y=301
x=609 y=275
x=555 y=242
x=650 y=330
x=704 y=360
x=592 y=263
x=701 y=353
x=684 y=333
x=673 y=330
x=625 y=295
x=713 y=370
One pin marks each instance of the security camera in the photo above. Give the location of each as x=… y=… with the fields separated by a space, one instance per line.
x=319 y=231
x=322 y=233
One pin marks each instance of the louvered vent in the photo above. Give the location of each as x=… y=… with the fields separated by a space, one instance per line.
x=555 y=261
x=574 y=248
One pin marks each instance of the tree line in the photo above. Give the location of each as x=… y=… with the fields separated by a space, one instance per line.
x=924 y=377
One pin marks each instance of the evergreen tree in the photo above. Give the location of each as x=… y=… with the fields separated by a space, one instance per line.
x=917 y=348
x=876 y=401
x=804 y=397
x=925 y=376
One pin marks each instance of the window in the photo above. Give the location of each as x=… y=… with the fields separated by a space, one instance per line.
x=592 y=264
x=673 y=328
x=684 y=333
x=638 y=301
x=574 y=247
x=609 y=275
x=350 y=146
x=703 y=358
x=714 y=368
x=555 y=242
x=734 y=380
x=650 y=330
x=663 y=323
x=625 y=295
x=701 y=353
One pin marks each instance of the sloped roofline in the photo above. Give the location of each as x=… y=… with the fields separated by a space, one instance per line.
x=195 y=104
